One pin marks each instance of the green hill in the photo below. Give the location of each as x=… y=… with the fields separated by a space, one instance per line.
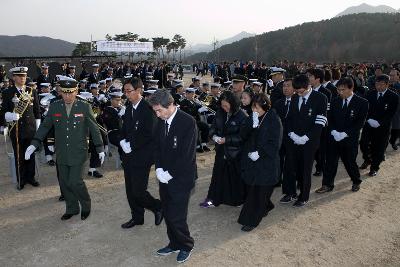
x=351 y=38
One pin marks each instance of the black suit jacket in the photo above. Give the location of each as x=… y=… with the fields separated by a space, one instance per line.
x=93 y=78
x=26 y=123
x=349 y=120
x=176 y=152
x=309 y=120
x=384 y=109
x=138 y=130
x=277 y=92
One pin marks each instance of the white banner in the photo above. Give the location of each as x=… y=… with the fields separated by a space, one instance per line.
x=122 y=46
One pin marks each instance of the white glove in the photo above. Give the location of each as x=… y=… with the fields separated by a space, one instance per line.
x=373 y=123
x=102 y=155
x=256 y=121
x=202 y=109
x=253 y=156
x=37 y=123
x=102 y=98
x=106 y=149
x=161 y=176
x=270 y=83
x=294 y=137
x=11 y=116
x=216 y=139
x=339 y=136
x=122 y=111
x=51 y=148
x=5 y=130
x=167 y=176
x=126 y=146
x=29 y=151
x=302 y=140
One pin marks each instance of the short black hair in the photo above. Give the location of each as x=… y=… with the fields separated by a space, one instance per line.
x=346 y=82
x=301 y=81
x=328 y=75
x=263 y=101
x=135 y=82
x=318 y=74
x=383 y=78
x=232 y=99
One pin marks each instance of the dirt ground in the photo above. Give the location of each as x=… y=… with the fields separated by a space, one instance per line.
x=340 y=228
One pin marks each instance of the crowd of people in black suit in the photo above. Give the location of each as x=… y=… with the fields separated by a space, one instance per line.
x=268 y=126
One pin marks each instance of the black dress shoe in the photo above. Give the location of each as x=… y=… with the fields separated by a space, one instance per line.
x=61 y=198
x=67 y=216
x=246 y=228
x=372 y=173
x=34 y=183
x=20 y=187
x=364 y=165
x=131 y=223
x=324 y=189
x=206 y=149
x=158 y=217
x=199 y=150
x=317 y=173
x=51 y=162
x=84 y=215
x=95 y=174
x=355 y=187
x=395 y=147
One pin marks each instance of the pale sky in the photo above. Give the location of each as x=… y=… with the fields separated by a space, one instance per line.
x=197 y=21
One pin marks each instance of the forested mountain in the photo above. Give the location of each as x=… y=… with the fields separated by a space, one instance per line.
x=357 y=37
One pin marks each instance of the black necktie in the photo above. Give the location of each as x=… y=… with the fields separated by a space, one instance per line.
x=303 y=103
x=166 y=128
x=287 y=106
x=379 y=96
x=345 y=104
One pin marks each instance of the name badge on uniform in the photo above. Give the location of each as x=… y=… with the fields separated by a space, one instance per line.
x=351 y=113
x=310 y=112
x=175 y=142
x=386 y=107
x=136 y=125
x=76 y=115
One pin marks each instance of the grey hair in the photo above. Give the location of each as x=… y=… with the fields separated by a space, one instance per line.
x=161 y=97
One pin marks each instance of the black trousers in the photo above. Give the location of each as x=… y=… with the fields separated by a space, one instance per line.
x=46 y=148
x=175 y=209
x=394 y=136
x=320 y=154
x=298 y=167
x=94 y=160
x=282 y=158
x=204 y=131
x=25 y=169
x=347 y=151
x=136 y=181
x=257 y=205
x=373 y=144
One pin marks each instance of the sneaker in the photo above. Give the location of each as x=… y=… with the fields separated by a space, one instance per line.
x=183 y=256
x=166 y=251
x=288 y=198
x=207 y=203
x=300 y=203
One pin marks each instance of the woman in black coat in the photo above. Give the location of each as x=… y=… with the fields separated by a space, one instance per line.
x=226 y=186
x=262 y=135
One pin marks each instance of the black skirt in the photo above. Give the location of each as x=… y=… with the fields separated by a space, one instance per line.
x=257 y=205
x=226 y=185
